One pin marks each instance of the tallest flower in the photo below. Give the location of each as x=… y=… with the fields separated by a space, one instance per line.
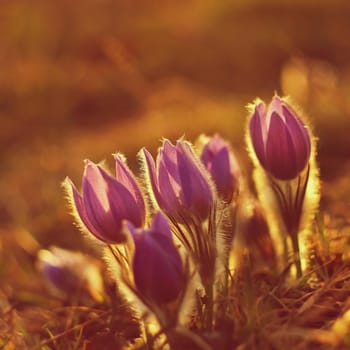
x=283 y=149
x=280 y=139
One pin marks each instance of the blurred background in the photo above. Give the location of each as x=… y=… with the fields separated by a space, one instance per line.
x=83 y=79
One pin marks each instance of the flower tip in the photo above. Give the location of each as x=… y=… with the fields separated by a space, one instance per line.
x=276 y=95
x=142 y=152
x=160 y=223
x=277 y=102
x=129 y=226
x=202 y=139
x=217 y=136
x=166 y=143
x=66 y=182
x=182 y=138
x=89 y=164
x=145 y=156
x=257 y=105
x=182 y=141
x=119 y=157
x=89 y=168
x=69 y=189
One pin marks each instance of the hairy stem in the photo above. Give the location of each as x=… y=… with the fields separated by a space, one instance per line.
x=209 y=307
x=296 y=251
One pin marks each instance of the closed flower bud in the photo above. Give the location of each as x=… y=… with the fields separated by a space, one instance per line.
x=69 y=272
x=280 y=139
x=219 y=160
x=107 y=201
x=257 y=236
x=157 y=266
x=179 y=182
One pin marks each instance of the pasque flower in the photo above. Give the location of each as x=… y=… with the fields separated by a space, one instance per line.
x=106 y=201
x=219 y=160
x=280 y=139
x=70 y=271
x=179 y=182
x=257 y=236
x=157 y=266
x=282 y=144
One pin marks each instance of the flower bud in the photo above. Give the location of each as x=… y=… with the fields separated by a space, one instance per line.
x=157 y=266
x=280 y=139
x=179 y=183
x=219 y=160
x=68 y=271
x=256 y=235
x=107 y=201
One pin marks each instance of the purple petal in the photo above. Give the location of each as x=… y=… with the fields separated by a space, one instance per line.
x=217 y=143
x=169 y=180
x=161 y=224
x=168 y=157
x=107 y=203
x=280 y=152
x=151 y=171
x=126 y=177
x=196 y=191
x=158 y=279
x=156 y=259
x=169 y=190
x=300 y=137
x=169 y=150
x=78 y=202
x=214 y=145
x=62 y=277
x=258 y=132
x=97 y=205
x=207 y=157
x=132 y=229
x=276 y=105
x=122 y=203
x=221 y=173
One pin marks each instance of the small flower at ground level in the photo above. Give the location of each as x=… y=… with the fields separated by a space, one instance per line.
x=70 y=271
x=280 y=139
x=107 y=201
x=157 y=266
x=219 y=160
x=257 y=237
x=179 y=183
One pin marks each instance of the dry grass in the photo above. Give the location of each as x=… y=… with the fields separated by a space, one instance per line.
x=266 y=311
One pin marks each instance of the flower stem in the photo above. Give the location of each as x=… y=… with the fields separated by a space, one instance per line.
x=296 y=251
x=285 y=249
x=193 y=337
x=209 y=307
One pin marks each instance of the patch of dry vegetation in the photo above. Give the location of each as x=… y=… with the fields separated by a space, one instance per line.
x=265 y=311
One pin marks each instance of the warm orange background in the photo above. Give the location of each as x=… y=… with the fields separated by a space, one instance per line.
x=83 y=79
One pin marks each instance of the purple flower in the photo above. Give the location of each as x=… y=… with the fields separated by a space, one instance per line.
x=280 y=139
x=157 y=265
x=70 y=271
x=107 y=201
x=257 y=236
x=179 y=183
x=219 y=160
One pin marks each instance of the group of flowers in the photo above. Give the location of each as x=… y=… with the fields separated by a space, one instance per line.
x=168 y=236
